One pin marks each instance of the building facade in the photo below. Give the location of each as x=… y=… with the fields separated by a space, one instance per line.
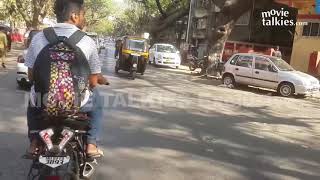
x=306 y=45
x=249 y=34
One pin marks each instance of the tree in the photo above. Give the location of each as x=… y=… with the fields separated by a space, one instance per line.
x=170 y=11
x=230 y=11
x=128 y=23
x=163 y=13
x=104 y=27
x=32 y=11
x=8 y=13
x=97 y=10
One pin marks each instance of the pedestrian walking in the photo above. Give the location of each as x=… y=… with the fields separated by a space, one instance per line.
x=117 y=47
x=3 y=48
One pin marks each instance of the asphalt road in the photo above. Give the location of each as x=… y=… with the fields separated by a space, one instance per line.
x=170 y=125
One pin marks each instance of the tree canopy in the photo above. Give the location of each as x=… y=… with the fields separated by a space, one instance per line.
x=32 y=12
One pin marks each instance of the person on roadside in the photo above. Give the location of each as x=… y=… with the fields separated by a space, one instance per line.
x=277 y=52
x=117 y=48
x=71 y=20
x=3 y=47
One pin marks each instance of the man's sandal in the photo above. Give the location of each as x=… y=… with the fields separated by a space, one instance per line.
x=95 y=154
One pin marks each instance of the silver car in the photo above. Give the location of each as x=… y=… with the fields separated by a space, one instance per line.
x=268 y=72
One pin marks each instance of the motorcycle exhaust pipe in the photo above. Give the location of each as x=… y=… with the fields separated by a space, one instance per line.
x=89 y=169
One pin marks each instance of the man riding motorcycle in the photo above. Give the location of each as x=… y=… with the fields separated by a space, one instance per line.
x=70 y=18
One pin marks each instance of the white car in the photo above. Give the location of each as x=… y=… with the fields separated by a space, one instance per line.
x=164 y=55
x=22 y=70
x=268 y=72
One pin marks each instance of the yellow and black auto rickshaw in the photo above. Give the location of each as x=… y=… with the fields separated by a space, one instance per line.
x=133 y=56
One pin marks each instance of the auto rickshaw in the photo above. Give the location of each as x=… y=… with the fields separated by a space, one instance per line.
x=133 y=56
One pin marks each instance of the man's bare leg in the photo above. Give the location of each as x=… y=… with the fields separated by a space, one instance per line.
x=94 y=151
x=3 y=58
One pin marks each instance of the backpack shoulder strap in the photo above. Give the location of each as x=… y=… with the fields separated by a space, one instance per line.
x=51 y=35
x=76 y=37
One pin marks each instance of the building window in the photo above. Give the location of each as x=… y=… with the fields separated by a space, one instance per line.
x=201 y=23
x=312 y=29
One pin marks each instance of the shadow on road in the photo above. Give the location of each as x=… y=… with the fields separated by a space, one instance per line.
x=244 y=141
x=181 y=75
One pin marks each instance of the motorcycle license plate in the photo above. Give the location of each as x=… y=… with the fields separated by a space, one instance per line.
x=54 y=162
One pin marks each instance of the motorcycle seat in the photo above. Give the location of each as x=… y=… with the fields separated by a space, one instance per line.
x=79 y=121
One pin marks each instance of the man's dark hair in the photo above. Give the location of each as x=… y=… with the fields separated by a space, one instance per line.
x=64 y=8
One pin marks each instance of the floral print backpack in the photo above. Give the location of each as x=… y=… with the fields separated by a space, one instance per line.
x=61 y=74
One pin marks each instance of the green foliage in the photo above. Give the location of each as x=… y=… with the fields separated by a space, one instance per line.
x=104 y=27
x=141 y=13
x=31 y=12
x=8 y=11
x=130 y=19
x=98 y=10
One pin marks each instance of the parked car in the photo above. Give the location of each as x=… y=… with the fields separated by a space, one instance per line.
x=22 y=70
x=164 y=55
x=268 y=72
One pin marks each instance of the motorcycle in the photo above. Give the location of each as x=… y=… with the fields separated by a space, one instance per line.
x=195 y=63
x=215 y=69
x=63 y=156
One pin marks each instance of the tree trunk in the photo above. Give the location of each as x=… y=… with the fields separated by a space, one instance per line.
x=160 y=24
x=39 y=11
x=231 y=10
x=163 y=14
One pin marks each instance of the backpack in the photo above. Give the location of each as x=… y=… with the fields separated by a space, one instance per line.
x=61 y=74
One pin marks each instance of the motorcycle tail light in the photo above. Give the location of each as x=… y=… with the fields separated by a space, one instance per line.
x=46 y=137
x=67 y=134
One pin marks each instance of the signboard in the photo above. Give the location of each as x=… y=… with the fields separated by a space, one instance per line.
x=317 y=7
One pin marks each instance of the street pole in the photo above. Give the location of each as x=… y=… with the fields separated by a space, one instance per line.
x=189 y=22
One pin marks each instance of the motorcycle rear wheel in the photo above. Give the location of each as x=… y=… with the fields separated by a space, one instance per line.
x=133 y=75
x=73 y=167
x=192 y=67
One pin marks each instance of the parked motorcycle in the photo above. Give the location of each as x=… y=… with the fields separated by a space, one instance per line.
x=195 y=63
x=216 y=67
x=63 y=156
